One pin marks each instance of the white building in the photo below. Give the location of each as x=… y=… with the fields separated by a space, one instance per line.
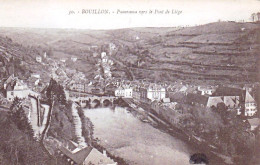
x=120 y=92
x=128 y=92
x=125 y=92
x=103 y=54
x=206 y=90
x=112 y=46
x=105 y=59
x=38 y=59
x=74 y=59
x=250 y=105
x=19 y=90
x=36 y=75
x=156 y=92
x=63 y=59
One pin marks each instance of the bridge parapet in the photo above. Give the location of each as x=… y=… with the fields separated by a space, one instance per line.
x=83 y=101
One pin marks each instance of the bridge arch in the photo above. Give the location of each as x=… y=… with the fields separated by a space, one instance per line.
x=95 y=103
x=107 y=102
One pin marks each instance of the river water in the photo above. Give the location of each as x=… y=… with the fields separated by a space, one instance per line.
x=124 y=135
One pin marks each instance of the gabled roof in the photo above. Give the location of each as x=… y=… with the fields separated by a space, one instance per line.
x=213 y=101
x=96 y=157
x=9 y=79
x=249 y=98
x=183 y=89
x=77 y=157
x=86 y=155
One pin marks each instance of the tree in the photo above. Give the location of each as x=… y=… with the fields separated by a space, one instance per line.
x=55 y=92
x=253 y=17
x=18 y=116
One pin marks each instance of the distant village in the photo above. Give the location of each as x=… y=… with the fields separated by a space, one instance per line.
x=170 y=100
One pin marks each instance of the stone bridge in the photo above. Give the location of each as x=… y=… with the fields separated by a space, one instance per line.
x=92 y=101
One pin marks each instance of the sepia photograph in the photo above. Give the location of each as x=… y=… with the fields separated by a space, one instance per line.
x=129 y=82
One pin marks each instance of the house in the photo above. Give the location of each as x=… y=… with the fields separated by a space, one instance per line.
x=166 y=100
x=80 y=87
x=155 y=92
x=110 y=62
x=183 y=89
x=206 y=90
x=63 y=59
x=250 y=105
x=85 y=156
x=128 y=92
x=124 y=91
x=103 y=54
x=105 y=59
x=17 y=89
x=8 y=81
x=120 y=92
x=74 y=59
x=36 y=75
x=112 y=46
x=136 y=93
x=38 y=59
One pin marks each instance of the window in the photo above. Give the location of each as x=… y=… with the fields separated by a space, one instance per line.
x=12 y=93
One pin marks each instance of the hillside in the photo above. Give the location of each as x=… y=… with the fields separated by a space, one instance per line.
x=19 y=60
x=212 y=53
x=224 y=51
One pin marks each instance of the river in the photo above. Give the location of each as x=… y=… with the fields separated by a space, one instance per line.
x=124 y=135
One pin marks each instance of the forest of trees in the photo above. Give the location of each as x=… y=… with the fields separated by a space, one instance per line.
x=221 y=128
x=255 y=17
x=18 y=145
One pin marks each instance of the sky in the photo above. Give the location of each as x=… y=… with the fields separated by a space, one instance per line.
x=55 y=13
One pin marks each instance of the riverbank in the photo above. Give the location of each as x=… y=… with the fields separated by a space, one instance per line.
x=124 y=135
x=194 y=142
x=88 y=131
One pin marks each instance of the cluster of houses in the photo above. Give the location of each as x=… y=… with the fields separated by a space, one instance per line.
x=105 y=64
x=208 y=96
x=174 y=101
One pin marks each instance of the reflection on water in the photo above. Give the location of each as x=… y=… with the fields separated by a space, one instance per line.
x=139 y=143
